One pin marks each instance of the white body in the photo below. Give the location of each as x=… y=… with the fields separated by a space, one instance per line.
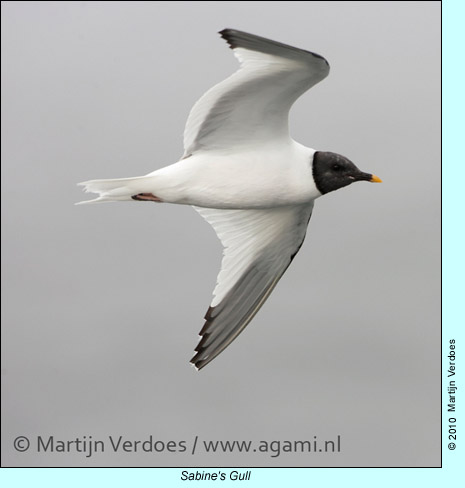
x=216 y=179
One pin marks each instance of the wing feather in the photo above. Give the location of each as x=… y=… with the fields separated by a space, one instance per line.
x=252 y=105
x=258 y=245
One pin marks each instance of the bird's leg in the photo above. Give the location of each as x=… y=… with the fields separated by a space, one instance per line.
x=148 y=197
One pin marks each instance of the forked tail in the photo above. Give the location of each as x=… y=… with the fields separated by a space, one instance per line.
x=120 y=189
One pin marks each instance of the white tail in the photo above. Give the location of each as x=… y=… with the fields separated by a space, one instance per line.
x=121 y=189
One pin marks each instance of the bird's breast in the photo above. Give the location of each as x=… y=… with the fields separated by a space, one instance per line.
x=249 y=180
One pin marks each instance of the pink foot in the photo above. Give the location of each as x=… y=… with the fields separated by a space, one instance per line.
x=148 y=197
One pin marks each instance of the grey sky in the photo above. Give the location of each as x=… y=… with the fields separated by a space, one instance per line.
x=103 y=304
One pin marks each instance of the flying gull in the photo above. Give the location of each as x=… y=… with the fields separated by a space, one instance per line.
x=247 y=177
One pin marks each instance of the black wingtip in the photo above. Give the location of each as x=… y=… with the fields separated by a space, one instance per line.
x=227 y=35
x=199 y=360
x=198 y=363
x=236 y=38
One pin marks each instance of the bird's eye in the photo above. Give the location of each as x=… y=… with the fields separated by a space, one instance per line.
x=337 y=167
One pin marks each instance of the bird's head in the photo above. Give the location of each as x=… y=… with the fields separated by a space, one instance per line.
x=332 y=171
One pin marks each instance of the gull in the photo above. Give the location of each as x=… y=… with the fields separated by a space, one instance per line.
x=246 y=177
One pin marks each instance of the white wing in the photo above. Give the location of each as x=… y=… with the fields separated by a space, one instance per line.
x=259 y=245
x=252 y=105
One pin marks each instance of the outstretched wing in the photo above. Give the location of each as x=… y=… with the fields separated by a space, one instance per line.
x=259 y=245
x=252 y=105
